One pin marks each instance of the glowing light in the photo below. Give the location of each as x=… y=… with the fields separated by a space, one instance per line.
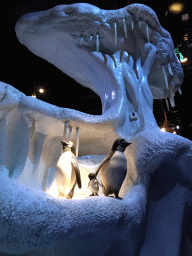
x=177 y=127
x=176 y=7
x=184 y=60
x=106 y=96
x=180 y=55
x=113 y=95
x=174 y=132
x=163 y=129
x=34 y=95
x=41 y=90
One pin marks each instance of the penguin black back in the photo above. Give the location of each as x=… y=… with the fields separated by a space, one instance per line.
x=120 y=145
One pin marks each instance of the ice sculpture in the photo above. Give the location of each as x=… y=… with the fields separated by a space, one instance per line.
x=128 y=59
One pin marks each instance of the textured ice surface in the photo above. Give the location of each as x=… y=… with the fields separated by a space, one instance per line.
x=31 y=220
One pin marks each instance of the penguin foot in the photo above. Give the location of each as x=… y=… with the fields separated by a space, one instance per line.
x=94 y=194
x=117 y=196
x=68 y=197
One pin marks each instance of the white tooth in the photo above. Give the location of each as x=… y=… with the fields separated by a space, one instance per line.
x=165 y=77
x=77 y=141
x=115 y=25
x=132 y=24
x=172 y=102
x=125 y=28
x=97 y=44
x=171 y=98
x=131 y=62
x=167 y=103
x=147 y=32
x=170 y=69
x=180 y=92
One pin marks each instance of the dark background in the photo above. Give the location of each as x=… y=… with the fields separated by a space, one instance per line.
x=27 y=72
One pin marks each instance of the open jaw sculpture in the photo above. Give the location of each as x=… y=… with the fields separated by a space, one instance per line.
x=128 y=59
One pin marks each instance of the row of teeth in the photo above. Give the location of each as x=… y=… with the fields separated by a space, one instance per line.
x=115 y=32
x=148 y=40
x=126 y=37
x=171 y=93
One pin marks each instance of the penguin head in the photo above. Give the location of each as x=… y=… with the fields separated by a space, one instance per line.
x=91 y=176
x=120 y=144
x=67 y=144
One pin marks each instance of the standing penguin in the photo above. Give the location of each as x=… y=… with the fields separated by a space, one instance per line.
x=67 y=172
x=114 y=168
x=93 y=184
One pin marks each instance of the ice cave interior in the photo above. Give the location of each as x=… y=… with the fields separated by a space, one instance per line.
x=128 y=59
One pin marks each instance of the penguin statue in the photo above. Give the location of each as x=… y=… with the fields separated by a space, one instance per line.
x=93 y=184
x=67 y=171
x=114 y=168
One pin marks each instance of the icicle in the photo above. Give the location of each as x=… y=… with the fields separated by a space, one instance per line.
x=32 y=128
x=77 y=141
x=167 y=103
x=81 y=41
x=90 y=38
x=147 y=32
x=66 y=126
x=132 y=24
x=115 y=25
x=125 y=28
x=70 y=132
x=165 y=77
x=172 y=102
x=139 y=24
x=180 y=92
x=97 y=43
x=170 y=69
x=171 y=98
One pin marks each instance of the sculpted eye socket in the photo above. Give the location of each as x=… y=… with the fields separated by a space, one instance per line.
x=69 y=10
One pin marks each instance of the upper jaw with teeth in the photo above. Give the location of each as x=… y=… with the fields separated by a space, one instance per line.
x=96 y=47
x=129 y=53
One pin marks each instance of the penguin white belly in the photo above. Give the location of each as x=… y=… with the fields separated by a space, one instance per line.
x=113 y=173
x=63 y=173
x=94 y=186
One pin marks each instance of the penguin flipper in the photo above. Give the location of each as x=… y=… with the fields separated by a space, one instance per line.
x=107 y=158
x=77 y=173
x=71 y=192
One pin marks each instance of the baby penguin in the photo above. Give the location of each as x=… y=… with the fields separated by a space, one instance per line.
x=114 y=168
x=93 y=184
